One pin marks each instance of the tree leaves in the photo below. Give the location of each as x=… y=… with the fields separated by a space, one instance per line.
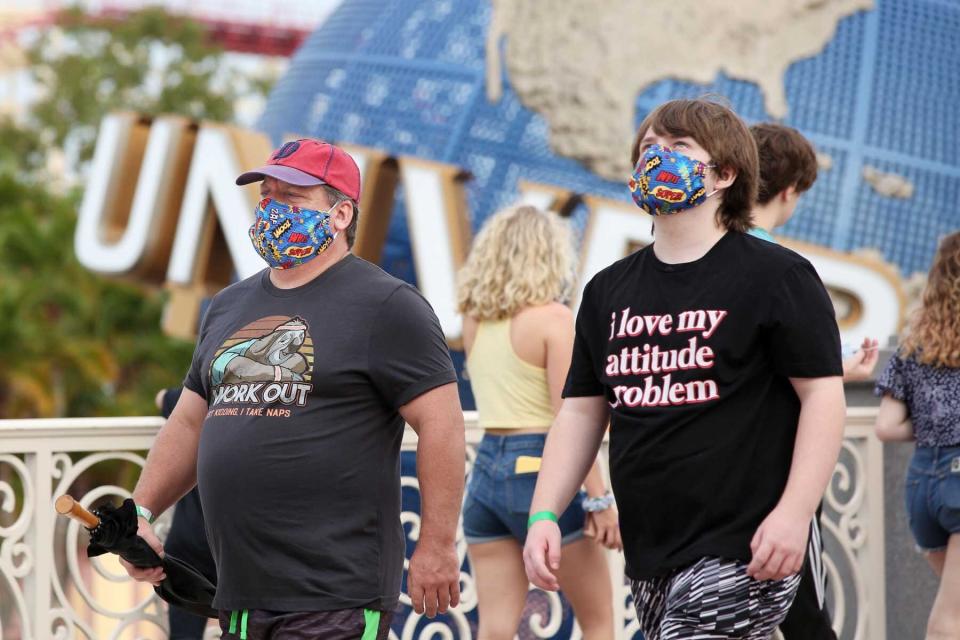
x=74 y=343
x=149 y=62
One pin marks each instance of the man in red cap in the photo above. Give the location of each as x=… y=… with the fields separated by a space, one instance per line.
x=291 y=421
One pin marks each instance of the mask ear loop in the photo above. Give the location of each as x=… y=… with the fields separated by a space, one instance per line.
x=335 y=205
x=715 y=191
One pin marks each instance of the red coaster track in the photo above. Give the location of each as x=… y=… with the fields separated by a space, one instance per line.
x=228 y=29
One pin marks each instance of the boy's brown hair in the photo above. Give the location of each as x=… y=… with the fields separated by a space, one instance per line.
x=787 y=159
x=725 y=137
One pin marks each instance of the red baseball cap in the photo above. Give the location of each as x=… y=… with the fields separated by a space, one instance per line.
x=306 y=163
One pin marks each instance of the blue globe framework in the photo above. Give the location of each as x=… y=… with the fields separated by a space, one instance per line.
x=408 y=76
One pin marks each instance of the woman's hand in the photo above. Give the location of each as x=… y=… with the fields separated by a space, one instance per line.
x=604 y=527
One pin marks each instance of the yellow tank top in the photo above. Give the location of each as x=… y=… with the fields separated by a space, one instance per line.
x=510 y=393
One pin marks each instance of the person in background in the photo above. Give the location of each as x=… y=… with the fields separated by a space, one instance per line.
x=920 y=401
x=518 y=335
x=788 y=168
x=186 y=540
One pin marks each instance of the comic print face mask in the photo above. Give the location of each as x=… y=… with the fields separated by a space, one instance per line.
x=286 y=236
x=666 y=181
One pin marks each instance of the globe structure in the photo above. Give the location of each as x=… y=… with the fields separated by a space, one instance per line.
x=409 y=77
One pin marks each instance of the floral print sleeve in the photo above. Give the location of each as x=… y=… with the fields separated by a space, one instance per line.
x=932 y=396
x=891 y=381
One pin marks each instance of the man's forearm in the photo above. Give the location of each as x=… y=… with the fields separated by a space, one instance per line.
x=817 y=447
x=171 y=468
x=571 y=448
x=441 y=460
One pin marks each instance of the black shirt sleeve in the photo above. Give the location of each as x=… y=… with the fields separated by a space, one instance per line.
x=408 y=354
x=802 y=337
x=582 y=379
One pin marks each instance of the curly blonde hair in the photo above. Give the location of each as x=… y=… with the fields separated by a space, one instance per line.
x=522 y=257
x=934 y=335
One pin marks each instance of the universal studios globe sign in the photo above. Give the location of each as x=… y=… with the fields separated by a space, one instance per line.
x=456 y=109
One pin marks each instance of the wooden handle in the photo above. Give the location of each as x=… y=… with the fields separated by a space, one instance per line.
x=67 y=506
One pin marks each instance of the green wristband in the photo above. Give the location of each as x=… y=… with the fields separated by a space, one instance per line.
x=143 y=512
x=542 y=515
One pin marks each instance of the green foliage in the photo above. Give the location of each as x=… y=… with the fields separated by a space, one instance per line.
x=150 y=63
x=22 y=150
x=73 y=343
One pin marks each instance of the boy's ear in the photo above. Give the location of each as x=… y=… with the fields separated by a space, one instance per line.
x=725 y=177
x=787 y=194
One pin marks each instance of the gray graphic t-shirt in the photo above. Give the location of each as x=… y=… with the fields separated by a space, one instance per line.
x=299 y=461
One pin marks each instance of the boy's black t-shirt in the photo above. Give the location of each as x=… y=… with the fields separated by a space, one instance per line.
x=695 y=360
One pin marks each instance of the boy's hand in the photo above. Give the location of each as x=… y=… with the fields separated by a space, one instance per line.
x=541 y=555
x=779 y=546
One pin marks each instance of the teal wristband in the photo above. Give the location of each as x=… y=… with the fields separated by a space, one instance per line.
x=542 y=515
x=143 y=512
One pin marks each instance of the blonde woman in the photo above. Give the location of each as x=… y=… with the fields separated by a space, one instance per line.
x=921 y=402
x=518 y=336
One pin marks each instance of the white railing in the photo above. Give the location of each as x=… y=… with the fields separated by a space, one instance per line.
x=49 y=590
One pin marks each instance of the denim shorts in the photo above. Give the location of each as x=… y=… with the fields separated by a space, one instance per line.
x=497 y=505
x=933 y=496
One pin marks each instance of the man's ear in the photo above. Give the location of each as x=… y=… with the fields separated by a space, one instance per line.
x=342 y=215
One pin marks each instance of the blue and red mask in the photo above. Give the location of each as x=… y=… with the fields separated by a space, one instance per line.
x=286 y=236
x=666 y=181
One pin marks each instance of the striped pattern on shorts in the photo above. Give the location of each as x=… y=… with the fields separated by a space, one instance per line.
x=712 y=598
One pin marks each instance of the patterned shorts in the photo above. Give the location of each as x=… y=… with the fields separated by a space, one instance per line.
x=712 y=598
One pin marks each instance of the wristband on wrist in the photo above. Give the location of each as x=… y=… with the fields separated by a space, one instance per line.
x=143 y=512
x=542 y=515
x=600 y=503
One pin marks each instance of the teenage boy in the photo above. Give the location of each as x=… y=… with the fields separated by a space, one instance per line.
x=716 y=358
